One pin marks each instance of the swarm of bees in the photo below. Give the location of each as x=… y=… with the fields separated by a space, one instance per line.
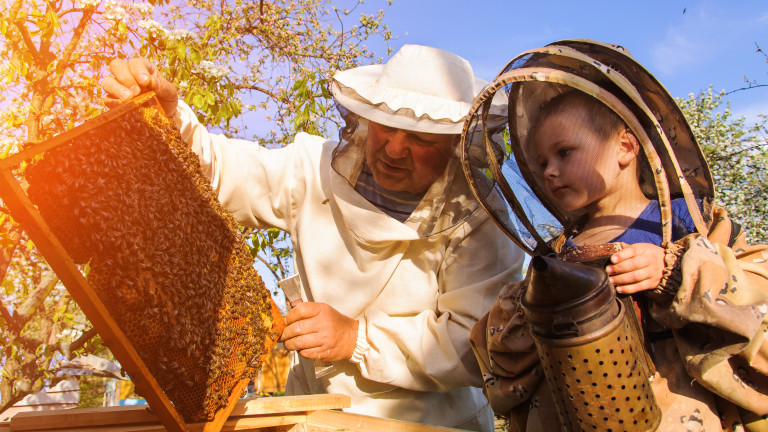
x=166 y=259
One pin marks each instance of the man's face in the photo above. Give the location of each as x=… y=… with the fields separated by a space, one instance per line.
x=406 y=161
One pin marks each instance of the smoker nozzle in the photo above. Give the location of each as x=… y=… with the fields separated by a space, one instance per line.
x=566 y=299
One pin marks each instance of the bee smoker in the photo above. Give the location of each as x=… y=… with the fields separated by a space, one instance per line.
x=591 y=353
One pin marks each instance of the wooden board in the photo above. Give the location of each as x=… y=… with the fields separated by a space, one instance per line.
x=312 y=413
x=247 y=414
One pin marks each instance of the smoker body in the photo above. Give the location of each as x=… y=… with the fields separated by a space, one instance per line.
x=590 y=350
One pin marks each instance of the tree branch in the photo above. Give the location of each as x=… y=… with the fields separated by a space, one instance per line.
x=66 y=55
x=6 y=254
x=749 y=87
x=36 y=297
x=80 y=342
x=266 y=263
x=28 y=42
x=260 y=89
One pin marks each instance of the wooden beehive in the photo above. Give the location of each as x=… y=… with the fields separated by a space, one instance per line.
x=171 y=287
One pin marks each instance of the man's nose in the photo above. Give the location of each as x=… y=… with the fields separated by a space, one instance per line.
x=397 y=146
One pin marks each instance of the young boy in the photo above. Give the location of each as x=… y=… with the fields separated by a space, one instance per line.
x=606 y=150
x=587 y=160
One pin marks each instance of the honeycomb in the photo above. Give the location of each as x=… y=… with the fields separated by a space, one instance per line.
x=166 y=259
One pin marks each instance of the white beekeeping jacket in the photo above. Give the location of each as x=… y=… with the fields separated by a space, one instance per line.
x=416 y=287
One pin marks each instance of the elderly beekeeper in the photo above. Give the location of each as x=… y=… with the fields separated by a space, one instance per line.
x=396 y=259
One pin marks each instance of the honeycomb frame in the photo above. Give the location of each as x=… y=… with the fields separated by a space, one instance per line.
x=105 y=301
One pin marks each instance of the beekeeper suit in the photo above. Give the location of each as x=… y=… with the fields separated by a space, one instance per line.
x=386 y=234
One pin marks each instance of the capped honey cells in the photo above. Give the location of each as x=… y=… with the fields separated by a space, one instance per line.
x=167 y=260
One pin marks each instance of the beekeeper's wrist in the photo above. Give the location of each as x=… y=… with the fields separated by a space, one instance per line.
x=361 y=343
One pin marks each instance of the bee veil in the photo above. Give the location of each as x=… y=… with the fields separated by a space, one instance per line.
x=499 y=165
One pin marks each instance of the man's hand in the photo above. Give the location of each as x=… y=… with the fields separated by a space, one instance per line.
x=133 y=77
x=318 y=331
x=637 y=267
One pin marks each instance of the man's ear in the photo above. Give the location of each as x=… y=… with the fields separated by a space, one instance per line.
x=629 y=147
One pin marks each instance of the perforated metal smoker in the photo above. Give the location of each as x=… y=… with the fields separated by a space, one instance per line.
x=591 y=353
x=171 y=288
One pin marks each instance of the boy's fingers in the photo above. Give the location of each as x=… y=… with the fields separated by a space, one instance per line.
x=628 y=252
x=633 y=288
x=627 y=278
x=625 y=266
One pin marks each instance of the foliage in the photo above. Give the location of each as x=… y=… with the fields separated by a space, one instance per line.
x=274 y=58
x=91 y=392
x=227 y=58
x=737 y=155
x=272 y=247
x=54 y=53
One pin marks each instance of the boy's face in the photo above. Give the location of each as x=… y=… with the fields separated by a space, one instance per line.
x=578 y=168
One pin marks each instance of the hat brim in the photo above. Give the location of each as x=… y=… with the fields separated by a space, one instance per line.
x=356 y=90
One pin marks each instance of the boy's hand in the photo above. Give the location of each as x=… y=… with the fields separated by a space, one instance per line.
x=637 y=267
x=318 y=331
x=132 y=77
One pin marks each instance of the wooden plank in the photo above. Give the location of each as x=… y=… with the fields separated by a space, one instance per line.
x=82 y=417
x=357 y=422
x=154 y=427
x=260 y=422
x=126 y=418
x=288 y=404
x=113 y=337
x=256 y=423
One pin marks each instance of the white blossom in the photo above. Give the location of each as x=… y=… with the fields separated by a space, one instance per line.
x=180 y=34
x=115 y=11
x=211 y=70
x=84 y=4
x=153 y=28
x=144 y=8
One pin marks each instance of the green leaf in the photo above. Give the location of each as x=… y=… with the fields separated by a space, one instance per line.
x=194 y=55
x=181 y=51
x=198 y=100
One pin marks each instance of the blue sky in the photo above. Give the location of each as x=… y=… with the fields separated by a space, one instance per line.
x=712 y=43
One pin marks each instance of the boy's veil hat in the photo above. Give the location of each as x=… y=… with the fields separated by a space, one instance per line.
x=420 y=88
x=498 y=162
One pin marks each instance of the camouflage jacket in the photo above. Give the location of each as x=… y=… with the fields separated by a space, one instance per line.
x=712 y=370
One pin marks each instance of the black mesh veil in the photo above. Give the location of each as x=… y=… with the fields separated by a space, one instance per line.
x=495 y=178
x=503 y=176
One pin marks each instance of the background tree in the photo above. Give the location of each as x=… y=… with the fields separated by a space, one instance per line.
x=50 y=51
x=227 y=58
x=738 y=157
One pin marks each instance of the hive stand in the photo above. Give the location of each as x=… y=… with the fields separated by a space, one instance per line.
x=24 y=212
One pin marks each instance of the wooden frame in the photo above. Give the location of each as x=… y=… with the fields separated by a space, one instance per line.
x=22 y=209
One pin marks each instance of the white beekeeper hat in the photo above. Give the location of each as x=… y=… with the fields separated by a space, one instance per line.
x=420 y=88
